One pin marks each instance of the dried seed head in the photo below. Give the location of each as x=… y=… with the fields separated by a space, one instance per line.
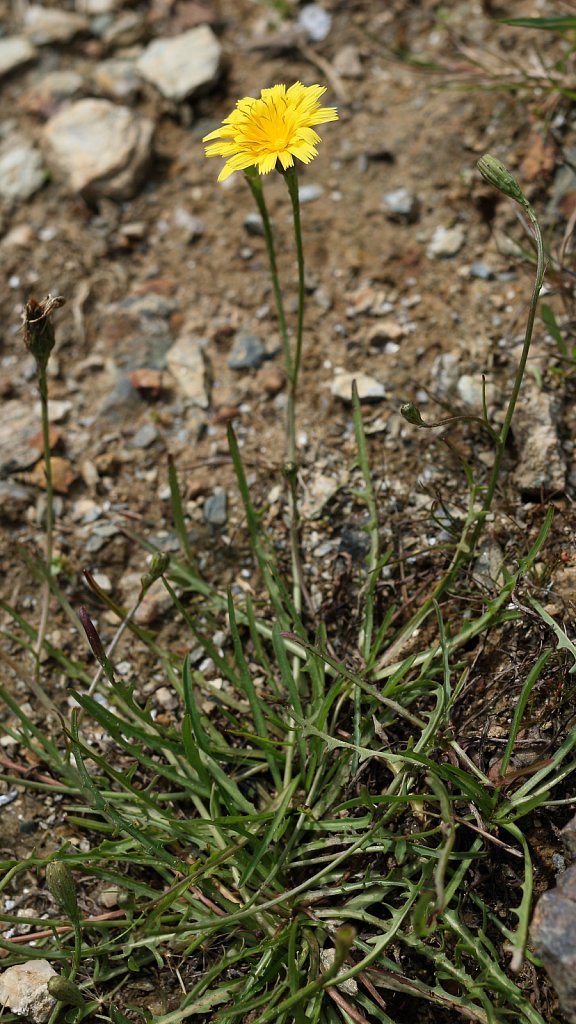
x=60 y=882
x=38 y=328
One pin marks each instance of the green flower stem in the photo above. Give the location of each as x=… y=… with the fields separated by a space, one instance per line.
x=255 y=183
x=43 y=390
x=291 y=179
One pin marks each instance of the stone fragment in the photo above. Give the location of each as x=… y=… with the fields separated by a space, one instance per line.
x=185 y=361
x=445 y=242
x=20 y=235
x=320 y=489
x=216 y=507
x=99 y=148
x=92 y=7
x=14 y=500
x=308 y=193
x=147 y=382
x=316 y=22
x=402 y=205
x=24 y=990
x=145 y=436
x=126 y=30
x=569 y=831
x=182 y=65
x=270 y=380
x=155 y=603
x=14 y=52
x=385 y=331
x=470 y=389
x=253 y=225
x=248 y=352
x=369 y=389
x=541 y=465
x=52 y=25
x=50 y=91
x=346 y=62
x=482 y=271
x=63 y=475
x=22 y=171
x=117 y=79
x=18 y=427
x=553 y=933
x=191 y=226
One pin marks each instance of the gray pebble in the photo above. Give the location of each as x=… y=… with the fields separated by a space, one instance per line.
x=216 y=507
x=402 y=205
x=308 y=193
x=248 y=353
x=145 y=436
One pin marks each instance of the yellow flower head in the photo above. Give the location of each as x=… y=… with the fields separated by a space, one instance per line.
x=277 y=126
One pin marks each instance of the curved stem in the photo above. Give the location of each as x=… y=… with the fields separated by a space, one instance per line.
x=43 y=390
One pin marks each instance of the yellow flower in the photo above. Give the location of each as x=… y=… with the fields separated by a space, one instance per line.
x=277 y=126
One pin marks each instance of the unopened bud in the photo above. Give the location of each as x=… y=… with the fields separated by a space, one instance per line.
x=494 y=172
x=38 y=329
x=65 y=991
x=96 y=644
x=412 y=414
x=158 y=566
x=60 y=882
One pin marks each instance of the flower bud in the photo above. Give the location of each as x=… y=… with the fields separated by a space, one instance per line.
x=494 y=172
x=65 y=991
x=412 y=414
x=60 y=882
x=96 y=644
x=158 y=566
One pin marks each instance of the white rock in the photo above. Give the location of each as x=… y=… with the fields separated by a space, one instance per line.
x=117 y=79
x=346 y=63
x=22 y=172
x=541 y=464
x=50 y=25
x=181 y=65
x=24 y=990
x=315 y=21
x=96 y=6
x=185 y=360
x=369 y=389
x=14 y=51
x=445 y=242
x=99 y=148
x=470 y=390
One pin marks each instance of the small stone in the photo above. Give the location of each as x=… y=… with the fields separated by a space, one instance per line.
x=145 y=436
x=99 y=148
x=482 y=271
x=109 y=897
x=385 y=331
x=14 y=52
x=20 y=235
x=402 y=205
x=185 y=361
x=347 y=63
x=24 y=990
x=541 y=466
x=308 y=193
x=58 y=409
x=191 y=226
x=93 y=7
x=155 y=603
x=118 y=80
x=216 y=507
x=315 y=21
x=270 y=380
x=127 y=30
x=63 y=475
x=14 y=500
x=253 y=225
x=181 y=65
x=320 y=489
x=166 y=698
x=148 y=382
x=22 y=171
x=51 y=91
x=569 y=831
x=470 y=388
x=445 y=242
x=103 y=581
x=51 y=25
x=248 y=353
x=369 y=389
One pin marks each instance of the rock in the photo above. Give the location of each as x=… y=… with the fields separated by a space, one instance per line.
x=18 y=427
x=553 y=934
x=385 y=331
x=482 y=270
x=147 y=382
x=470 y=388
x=191 y=226
x=155 y=603
x=92 y=7
x=182 y=65
x=248 y=352
x=127 y=30
x=63 y=475
x=24 y=990
x=99 y=148
x=166 y=698
x=253 y=225
x=346 y=62
x=315 y=21
x=445 y=242
x=50 y=91
x=216 y=507
x=14 y=52
x=52 y=25
x=270 y=380
x=22 y=172
x=117 y=79
x=110 y=896
x=320 y=489
x=541 y=465
x=185 y=361
x=308 y=193
x=145 y=436
x=402 y=205
x=14 y=500
x=20 y=235
x=488 y=565
x=569 y=831
x=369 y=389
